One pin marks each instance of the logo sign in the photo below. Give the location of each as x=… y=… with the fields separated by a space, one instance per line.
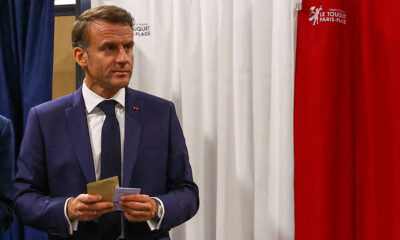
x=318 y=15
x=141 y=30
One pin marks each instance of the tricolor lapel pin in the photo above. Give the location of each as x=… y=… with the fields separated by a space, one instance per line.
x=136 y=108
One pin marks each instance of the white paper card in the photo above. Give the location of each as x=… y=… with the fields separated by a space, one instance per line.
x=120 y=191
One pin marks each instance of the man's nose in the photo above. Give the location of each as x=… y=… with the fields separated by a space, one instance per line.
x=122 y=56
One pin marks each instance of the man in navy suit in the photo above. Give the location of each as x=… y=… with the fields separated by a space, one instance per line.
x=62 y=149
x=6 y=172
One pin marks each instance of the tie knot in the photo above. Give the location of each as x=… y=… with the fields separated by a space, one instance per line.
x=108 y=107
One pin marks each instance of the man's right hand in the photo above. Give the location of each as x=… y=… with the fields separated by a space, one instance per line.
x=86 y=207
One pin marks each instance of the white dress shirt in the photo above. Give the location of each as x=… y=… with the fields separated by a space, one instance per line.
x=95 y=119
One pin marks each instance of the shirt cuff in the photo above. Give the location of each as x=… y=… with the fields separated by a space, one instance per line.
x=155 y=225
x=72 y=226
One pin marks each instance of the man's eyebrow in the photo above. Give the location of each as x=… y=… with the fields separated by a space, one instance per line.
x=116 y=43
x=131 y=43
x=108 y=43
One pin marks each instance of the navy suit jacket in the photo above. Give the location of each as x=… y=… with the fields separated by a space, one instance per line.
x=56 y=162
x=6 y=171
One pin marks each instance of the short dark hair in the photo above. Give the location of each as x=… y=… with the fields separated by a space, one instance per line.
x=107 y=13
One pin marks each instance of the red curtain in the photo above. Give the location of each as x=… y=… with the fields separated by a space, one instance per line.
x=347 y=120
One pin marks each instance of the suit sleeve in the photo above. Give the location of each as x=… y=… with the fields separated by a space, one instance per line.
x=33 y=205
x=6 y=172
x=181 y=201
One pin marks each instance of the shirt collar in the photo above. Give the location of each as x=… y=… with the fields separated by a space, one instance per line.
x=92 y=99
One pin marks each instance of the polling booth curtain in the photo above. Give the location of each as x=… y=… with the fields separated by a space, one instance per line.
x=228 y=67
x=346 y=120
x=26 y=60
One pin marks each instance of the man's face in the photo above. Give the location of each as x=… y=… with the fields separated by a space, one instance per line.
x=108 y=61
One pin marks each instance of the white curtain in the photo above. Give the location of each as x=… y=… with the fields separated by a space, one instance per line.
x=228 y=65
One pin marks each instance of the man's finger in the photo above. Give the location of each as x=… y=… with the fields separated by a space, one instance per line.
x=135 y=216
x=104 y=211
x=136 y=205
x=96 y=213
x=135 y=197
x=138 y=214
x=79 y=206
x=87 y=215
x=98 y=206
x=87 y=198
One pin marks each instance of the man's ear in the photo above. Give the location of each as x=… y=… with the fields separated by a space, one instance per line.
x=81 y=57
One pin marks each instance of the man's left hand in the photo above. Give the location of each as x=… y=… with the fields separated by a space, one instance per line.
x=138 y=207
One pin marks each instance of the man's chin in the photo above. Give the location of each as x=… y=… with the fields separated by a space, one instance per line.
x=124 y=79
x=121 y=83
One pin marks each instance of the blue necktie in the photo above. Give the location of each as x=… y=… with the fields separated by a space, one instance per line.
x=110 y=142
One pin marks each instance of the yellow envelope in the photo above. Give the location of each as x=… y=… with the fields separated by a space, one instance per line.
x=105 y=188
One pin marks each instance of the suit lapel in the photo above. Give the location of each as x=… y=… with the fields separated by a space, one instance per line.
x=133 y=126
x=77 y=122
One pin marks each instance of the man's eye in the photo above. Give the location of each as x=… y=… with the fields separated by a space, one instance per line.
x=128 y=47
x=110 y=47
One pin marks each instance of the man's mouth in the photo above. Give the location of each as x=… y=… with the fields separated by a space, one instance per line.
x=120 y=72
